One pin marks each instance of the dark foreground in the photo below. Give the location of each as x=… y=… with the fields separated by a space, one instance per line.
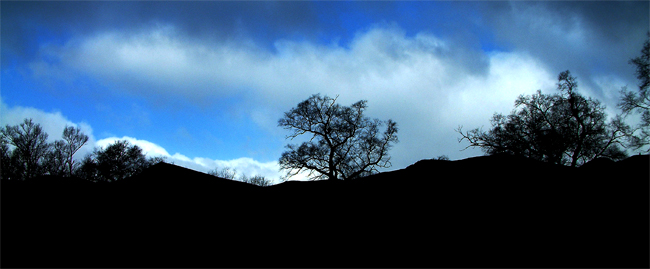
x=497 y=211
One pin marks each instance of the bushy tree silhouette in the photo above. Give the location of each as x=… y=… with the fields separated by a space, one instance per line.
x=117 y=161
x=32 y=156
x=344 y=143
x=564 y=128
x=27 y=159
x=55 y=159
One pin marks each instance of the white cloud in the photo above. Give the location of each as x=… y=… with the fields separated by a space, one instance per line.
x=160 y=58
x=610 y=97
x=426 y=84
x=148 y=148
x=510 y=75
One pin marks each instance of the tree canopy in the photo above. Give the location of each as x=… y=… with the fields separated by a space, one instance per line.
x=343 y=145
x=25 y=153
x=564 y=128
x=60 y=159
x=115 y=162
x=31 y=147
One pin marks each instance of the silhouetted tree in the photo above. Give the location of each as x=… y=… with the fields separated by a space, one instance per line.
x=74 y=139
x=224 y=172
x=442 y=158
x=564 y=128
x=55 y=159
x=117 y=161
x=60 y=159
x=231 y=173
x=31 y=147
x=639 y=102
x=88 y=168
x=8 y=164
x=256 y=180
x=344 y=143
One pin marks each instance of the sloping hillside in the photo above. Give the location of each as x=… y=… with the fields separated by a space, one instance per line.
x=497 y=211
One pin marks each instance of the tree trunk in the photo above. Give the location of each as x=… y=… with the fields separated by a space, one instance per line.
x=576 y=156
x=578 y=150
x=331 y=173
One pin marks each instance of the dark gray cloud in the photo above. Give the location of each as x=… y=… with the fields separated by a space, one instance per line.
x=25 y=24
x=589 y=38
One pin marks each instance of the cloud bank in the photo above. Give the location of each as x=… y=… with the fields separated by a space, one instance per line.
x=426 y=84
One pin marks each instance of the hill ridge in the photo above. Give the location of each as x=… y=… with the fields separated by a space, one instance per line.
x=494 y=211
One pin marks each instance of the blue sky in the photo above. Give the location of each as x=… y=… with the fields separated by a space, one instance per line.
x=204 y=83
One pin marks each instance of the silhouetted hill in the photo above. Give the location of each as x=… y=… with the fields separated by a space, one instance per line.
x=496 y=211
x=164 y=174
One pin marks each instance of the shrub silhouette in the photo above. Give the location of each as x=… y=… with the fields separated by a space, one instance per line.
x=117 y=161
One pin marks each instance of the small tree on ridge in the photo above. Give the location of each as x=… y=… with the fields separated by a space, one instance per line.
x=31 y=148
x=344 y=144
x=564 y=128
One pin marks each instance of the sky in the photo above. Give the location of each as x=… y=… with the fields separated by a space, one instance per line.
x=205 y=83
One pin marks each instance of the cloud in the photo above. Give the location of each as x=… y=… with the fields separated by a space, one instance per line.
x=22 y=21
x=148 y=148
x=427 y=84
x=160 y=59
x=590 y=39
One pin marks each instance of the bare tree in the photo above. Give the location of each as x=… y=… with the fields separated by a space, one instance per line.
x=256 y=180
x=60 y=159
x=231 y=173
x=224 y=172
x=564 y=128
x=344 y=144
x=639 y=102
x=442 y=158
x=31 y=147
x=8 y=167
x=74 y=140
x=55 y=160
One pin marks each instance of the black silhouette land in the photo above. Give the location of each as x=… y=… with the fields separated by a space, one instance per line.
x=490 y=211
